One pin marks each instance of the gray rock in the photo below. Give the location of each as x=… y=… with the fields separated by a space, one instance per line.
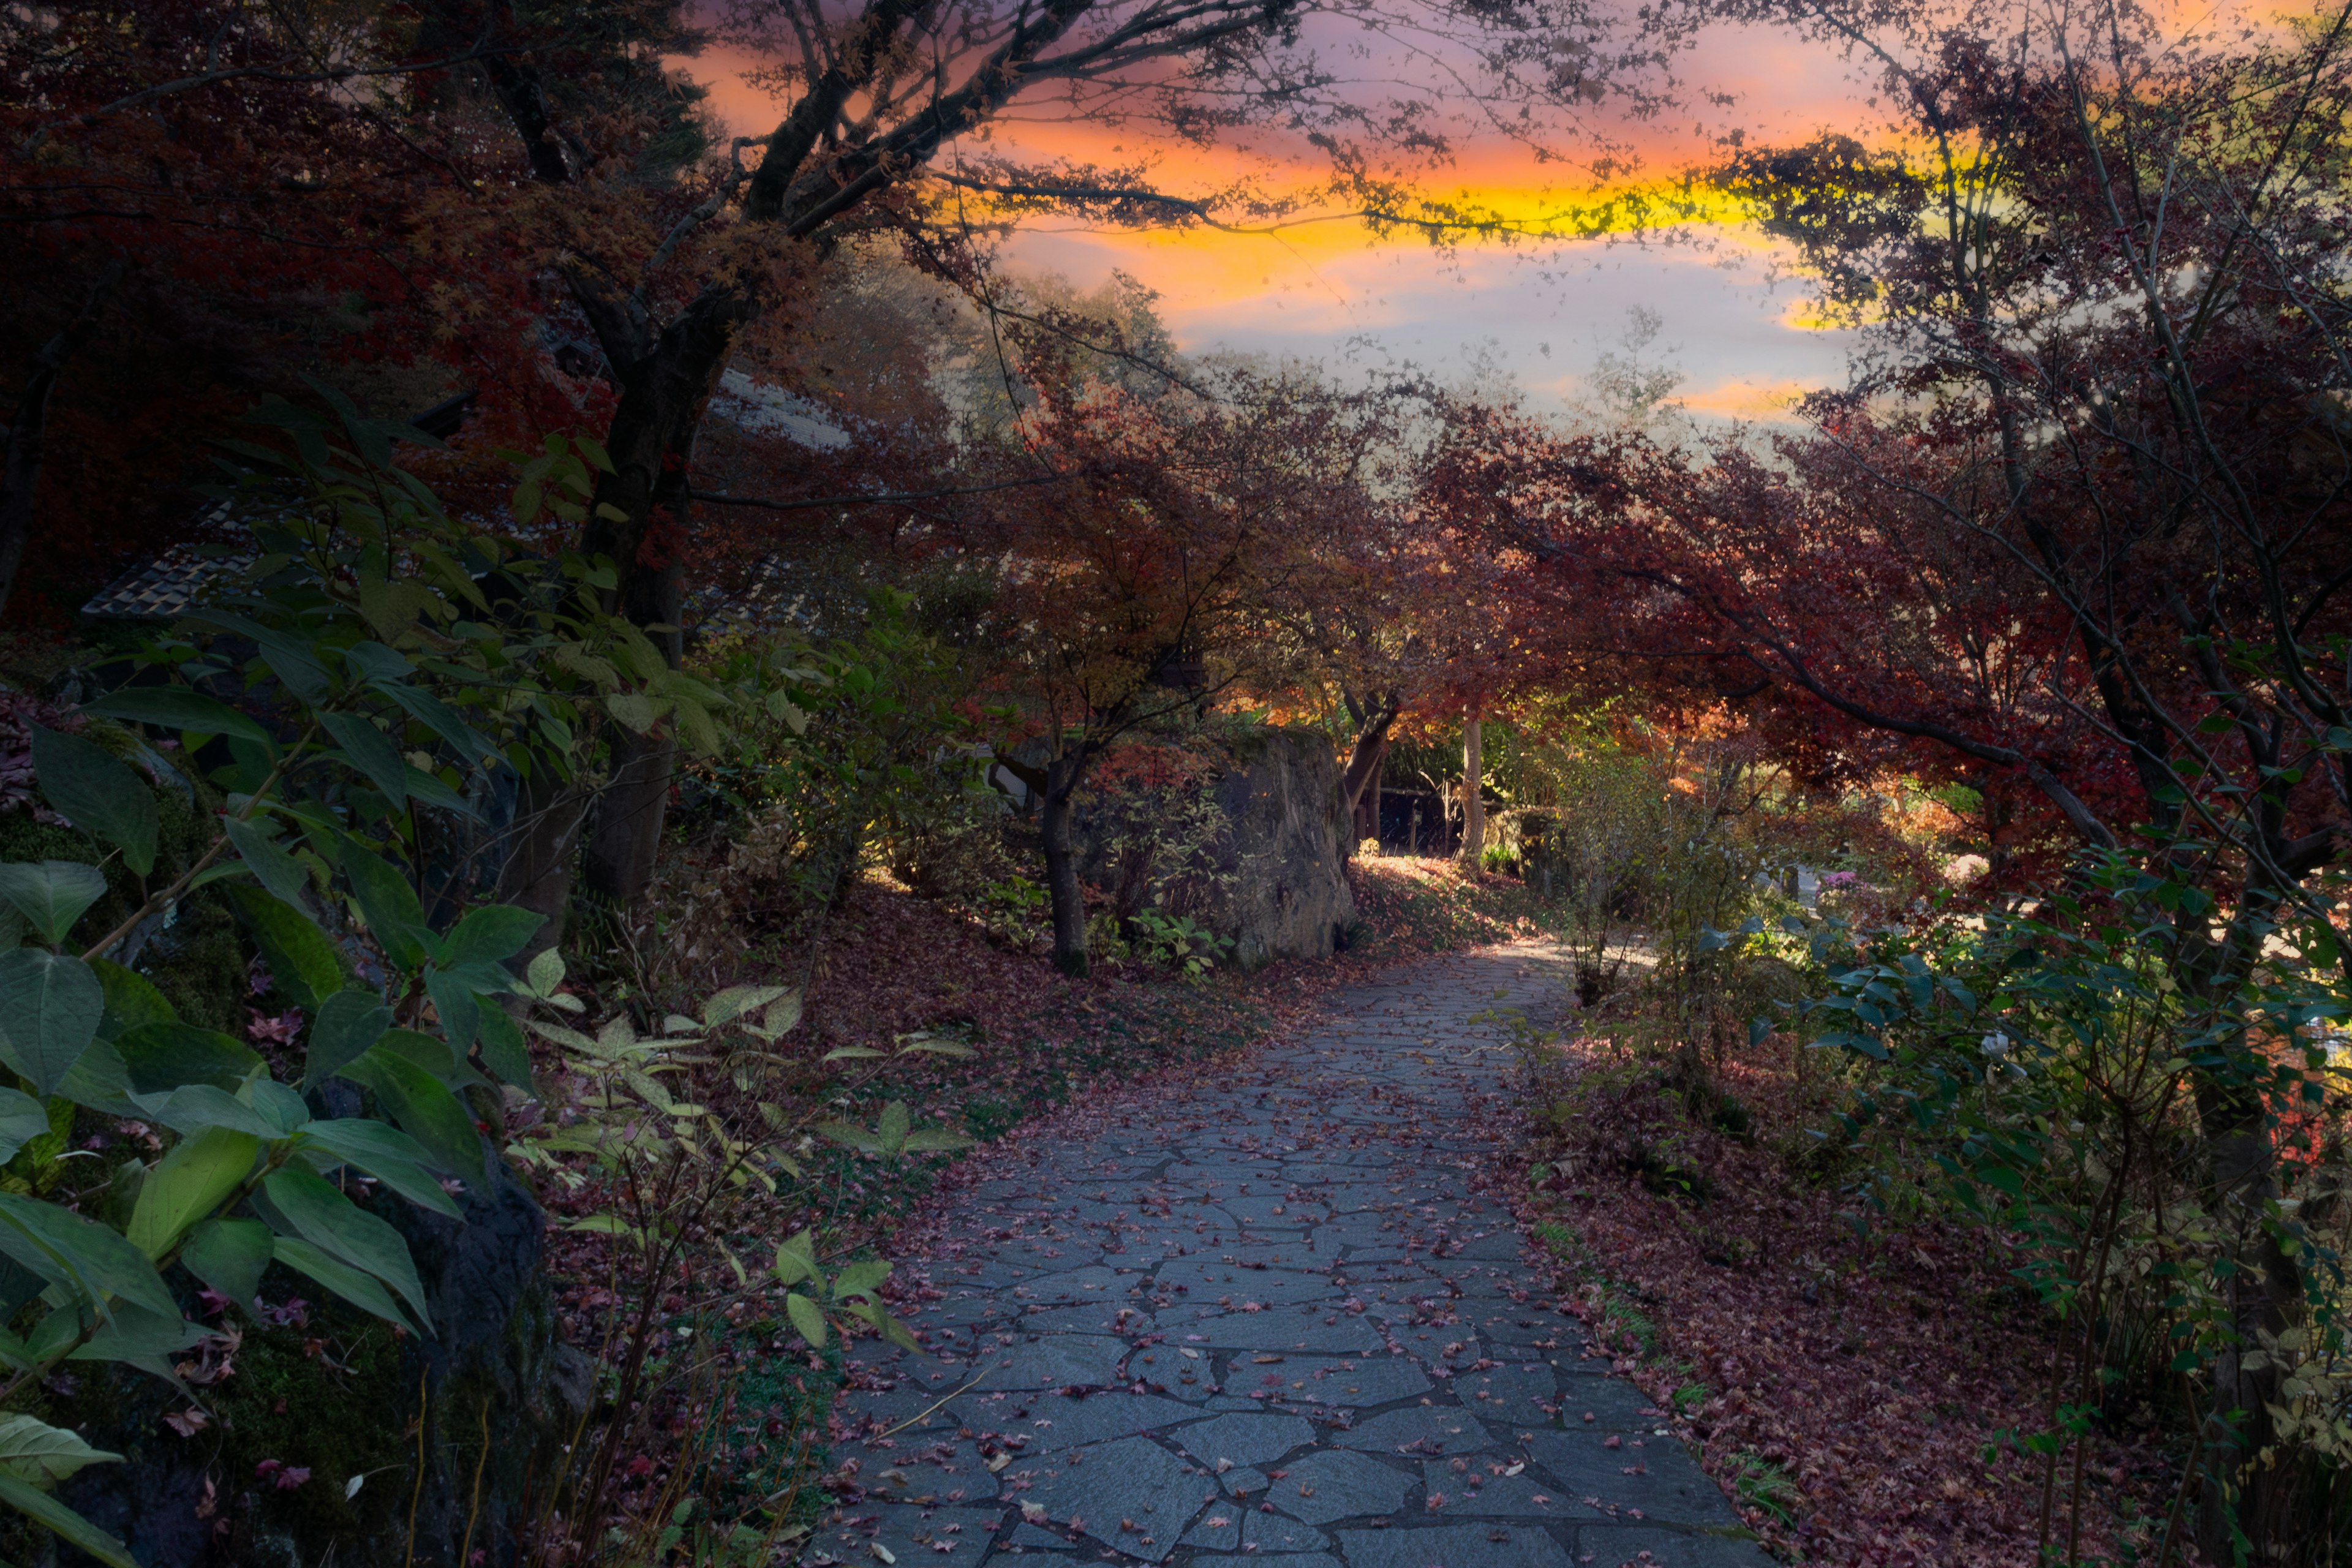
x=1278 y=883
x=1052 y=1422
x=1323 y=1426
x=1617 y=1546
x=1663 y=1482
x=1271 y=1533
x=1524 y=1394
x=1453 y=1546
x=1498 y=1496
x=909 y=1534
x=1055 y=1361
x=1027 y=1537
x=1280 y=1328
x=1132 y=1495
x=1244 y=1482
x=1418 y=1429
x=1326 y=1486
x=1244 y=1439
x=1358 y=1383
x=1220 y=1528
x=1204 y=1282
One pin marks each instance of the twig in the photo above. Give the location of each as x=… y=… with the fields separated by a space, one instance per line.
x=171 y=895
x=474 y=1510
x=715 y=498
x=926 y=1413
x=416 y=1494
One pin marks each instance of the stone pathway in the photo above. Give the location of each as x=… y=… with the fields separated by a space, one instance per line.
x=1270 y=1322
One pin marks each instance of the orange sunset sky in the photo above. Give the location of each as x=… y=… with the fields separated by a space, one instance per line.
x=1734 y=321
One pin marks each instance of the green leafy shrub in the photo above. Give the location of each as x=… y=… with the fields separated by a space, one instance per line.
x=1180 y=943
x=307 y=772
x=2049 y=1075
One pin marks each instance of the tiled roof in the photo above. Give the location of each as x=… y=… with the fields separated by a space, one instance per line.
x=181 y=578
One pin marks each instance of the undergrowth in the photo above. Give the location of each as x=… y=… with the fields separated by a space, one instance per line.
x=1410 y=907
x=739 y=1401
x=1844 y=1373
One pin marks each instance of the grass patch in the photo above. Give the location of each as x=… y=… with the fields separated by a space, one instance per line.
x=1406 y=907
x=1761 y=1484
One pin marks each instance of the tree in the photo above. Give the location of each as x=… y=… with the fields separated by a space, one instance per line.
x=2080 y=521
x=521 y=193
x=1131 y=597
x=878 y=89
x=208 y=200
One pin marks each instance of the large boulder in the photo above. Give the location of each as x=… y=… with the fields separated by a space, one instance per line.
x=338 y=1396
x=1287 y=846
x=1270 y=874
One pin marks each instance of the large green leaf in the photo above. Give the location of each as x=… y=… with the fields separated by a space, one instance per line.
x=805 y=1318
x=49 y=1011
x=101 y=1081
x=177 y=708
x=65 y=1249
x=453 y=999
x=270 y=861
x=390 y=1155
x=229 y=1255
x=161 y=1057
x=290 y=658
x=51 y=894
x=424 y=1107
x=491 y=934
x=796 y=1259
x=737 y=1000
x=302 y=959
x=426 y=789
x=372 y=752
x=860 y=1278
x=22 y=1120
x=98 y=793
x=188 y=1183
x=191 y=1108
x=347 y=1024
x=431 y=1053
x=388 y=903
x=372 y=661
x=141 y=1337
x=503 y=1048
x=335 y=1224
x=40 y=1452
x=131 y=1000
x=470 y=742
x=360 y=1288
x=280 y=1106
x=63 y=1522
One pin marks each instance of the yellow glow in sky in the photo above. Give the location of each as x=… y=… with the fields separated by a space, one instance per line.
x=1539 y=308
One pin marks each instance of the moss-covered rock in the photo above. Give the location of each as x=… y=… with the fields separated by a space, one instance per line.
x=447 y=1435
x=198 y=963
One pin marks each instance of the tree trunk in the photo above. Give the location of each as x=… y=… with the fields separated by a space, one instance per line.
x=2246 y=1495
x=1364 y=800
x=651 y=444
x=539 y=847
x=630 y=811
x=1062 y=871
x=27 y=434
x=1474 y=805
x=2242 y=1491
x=1365 y=757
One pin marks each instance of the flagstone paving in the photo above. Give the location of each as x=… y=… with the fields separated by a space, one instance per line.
x=1269 y=1321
